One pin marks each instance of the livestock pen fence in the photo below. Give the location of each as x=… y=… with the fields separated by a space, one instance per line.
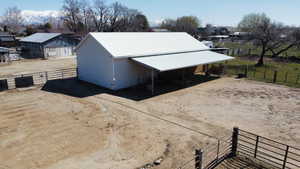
x=267 y=150
x=37 y=78
x=264 y=73
x=257 y=149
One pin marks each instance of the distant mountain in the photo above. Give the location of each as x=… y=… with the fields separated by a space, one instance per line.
x=36 y=17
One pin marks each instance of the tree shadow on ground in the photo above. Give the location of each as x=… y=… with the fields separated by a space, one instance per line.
x=76 y=88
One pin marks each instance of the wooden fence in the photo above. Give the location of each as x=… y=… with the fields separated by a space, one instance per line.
x=37 y=78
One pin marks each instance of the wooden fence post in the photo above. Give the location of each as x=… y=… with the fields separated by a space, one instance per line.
x=275 y=76
x=265 y=72
x=46 y=74
x=256 y=146
x=286 y=77
x=198 y=159
x=246 y=71
x=285 y=157
x=235 y=136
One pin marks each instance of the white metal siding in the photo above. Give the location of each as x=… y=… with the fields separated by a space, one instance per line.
x=95 y=64
x=58 y=52
x=129 y=73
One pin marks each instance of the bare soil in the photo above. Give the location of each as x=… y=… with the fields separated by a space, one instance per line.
x=36 y=65
x=67 y=124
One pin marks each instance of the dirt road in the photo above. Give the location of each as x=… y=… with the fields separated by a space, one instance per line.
x=54 y=129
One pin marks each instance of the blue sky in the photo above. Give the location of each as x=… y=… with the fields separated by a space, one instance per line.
x=217 y=12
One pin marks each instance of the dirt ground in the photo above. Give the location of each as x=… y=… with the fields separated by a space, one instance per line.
x=68 y=124
x=36 y=65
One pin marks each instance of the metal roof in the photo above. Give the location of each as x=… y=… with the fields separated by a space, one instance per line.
x=181 y=60
x=2 y=49
x=127 y=45
x=40 y=37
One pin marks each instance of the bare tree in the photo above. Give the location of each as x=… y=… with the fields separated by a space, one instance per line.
x=13 y=19
x=262 y=32
x=100 y=15
x=286 y=39
x=72 y=15
x=117 y=12
x=270 y=36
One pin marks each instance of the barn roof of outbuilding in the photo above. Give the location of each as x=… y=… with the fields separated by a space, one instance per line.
x=40 y=37
x=128 y=45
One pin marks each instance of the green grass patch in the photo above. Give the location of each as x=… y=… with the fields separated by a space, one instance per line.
x=287 y=73
x=292 y=52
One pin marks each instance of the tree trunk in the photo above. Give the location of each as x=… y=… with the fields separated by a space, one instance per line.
x=261 y=59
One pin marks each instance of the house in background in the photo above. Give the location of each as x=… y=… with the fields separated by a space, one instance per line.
x=4 y=55
x=121 y=60
x=7 y=40
x=47 y=45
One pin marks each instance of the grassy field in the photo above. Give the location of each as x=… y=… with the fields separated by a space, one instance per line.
x=293 y=52
x=287 y=73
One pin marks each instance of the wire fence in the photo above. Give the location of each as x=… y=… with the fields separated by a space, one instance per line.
x=37 y=78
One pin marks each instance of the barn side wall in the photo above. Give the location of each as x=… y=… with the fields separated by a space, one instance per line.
x=95 y=64
x=128 y=73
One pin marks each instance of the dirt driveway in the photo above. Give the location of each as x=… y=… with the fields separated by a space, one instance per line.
x=73 y=125
x=36 y=65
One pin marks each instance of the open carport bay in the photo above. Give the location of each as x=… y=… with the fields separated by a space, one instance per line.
x=53 y=129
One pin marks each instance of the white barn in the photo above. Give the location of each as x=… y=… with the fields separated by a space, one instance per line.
x=121 y=60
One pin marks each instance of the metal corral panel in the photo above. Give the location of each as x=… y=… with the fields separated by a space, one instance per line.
x=181 y=60
x=127 y=45
x=40 y=37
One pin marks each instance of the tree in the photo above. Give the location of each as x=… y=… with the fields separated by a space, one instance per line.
x=270 y=36
x=13 y=19
x=73 y=15
x=100 y=15
x=30 y=30
x=187 y=24
x=169 y=24
x=262 y=32
x=140 y=23
x=289 y=38
x=47 y=26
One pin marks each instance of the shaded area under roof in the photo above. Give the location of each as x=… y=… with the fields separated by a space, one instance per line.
x=181 y=60
x=40 y=37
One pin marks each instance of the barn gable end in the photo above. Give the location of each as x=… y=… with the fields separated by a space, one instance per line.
x=95 y=63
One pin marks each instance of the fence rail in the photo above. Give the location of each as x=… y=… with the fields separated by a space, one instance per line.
x=275 y=153
x=37 y=78
x=271 y=153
